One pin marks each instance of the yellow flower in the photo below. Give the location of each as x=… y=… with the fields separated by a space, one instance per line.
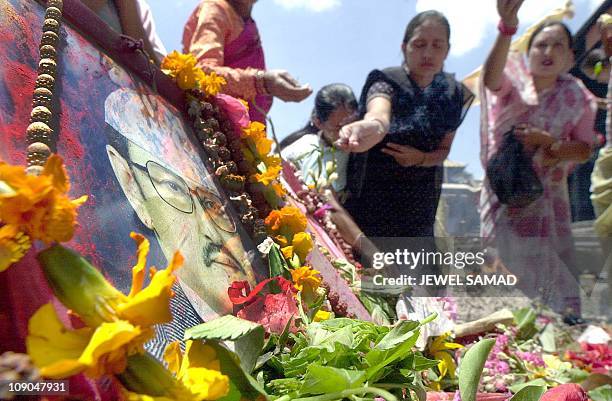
x=198 y=370
x=322 y=315
x=175 y=61
x=439 y=350
x=306 y=280
x=182 y=67
x=13 y=245
x=268 y=176
x=212 y=83
x=60 y=352
x=38 y=205
x=271 y=160
x=118 y=325
x=256 y=139
x=287 y=221
x=302 y=244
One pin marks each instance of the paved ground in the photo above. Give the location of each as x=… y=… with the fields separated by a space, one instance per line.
x=596 y=298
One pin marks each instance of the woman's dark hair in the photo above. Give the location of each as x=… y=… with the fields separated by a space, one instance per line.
x=541 y=27
x=328 y=99
x=420 y=18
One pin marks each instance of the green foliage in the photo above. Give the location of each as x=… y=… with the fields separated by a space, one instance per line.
x=529 y=393
x=248 y=337
x=471 y=368
x=603 y=393
x=345 y=358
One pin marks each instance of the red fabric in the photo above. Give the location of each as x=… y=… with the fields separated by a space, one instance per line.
x=23 y=289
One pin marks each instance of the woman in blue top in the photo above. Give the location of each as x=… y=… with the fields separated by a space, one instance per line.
x=410 y=114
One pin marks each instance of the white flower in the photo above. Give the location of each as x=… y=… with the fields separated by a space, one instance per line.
x=265 y=246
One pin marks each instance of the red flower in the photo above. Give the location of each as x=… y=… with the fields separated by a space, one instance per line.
x=235 y=111
x=597 y=358
x=565 y=392
x=272 y=311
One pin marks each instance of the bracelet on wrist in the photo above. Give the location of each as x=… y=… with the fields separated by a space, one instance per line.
x=505 y=29
x=260 y=83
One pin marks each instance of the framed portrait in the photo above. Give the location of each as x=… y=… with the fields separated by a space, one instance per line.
x=121 y=127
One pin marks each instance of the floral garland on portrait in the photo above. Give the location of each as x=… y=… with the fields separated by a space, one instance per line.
x=240 y=154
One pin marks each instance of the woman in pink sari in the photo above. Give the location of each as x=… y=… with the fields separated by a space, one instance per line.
x=553 y=115
x=224 y=38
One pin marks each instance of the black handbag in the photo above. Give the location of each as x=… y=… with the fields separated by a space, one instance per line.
x=511 y=174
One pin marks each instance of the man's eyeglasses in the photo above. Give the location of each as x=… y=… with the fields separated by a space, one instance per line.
x=176 y=192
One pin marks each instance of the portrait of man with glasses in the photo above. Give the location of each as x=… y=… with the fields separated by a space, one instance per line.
x=174 y=196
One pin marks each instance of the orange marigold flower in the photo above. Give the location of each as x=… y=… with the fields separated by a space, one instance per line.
x=307 y=280
x=256 y=139
x=13 y=245
x=212 y=83
x=287 y=221
x=182 y=67
x=38 y=205
x=279 y=189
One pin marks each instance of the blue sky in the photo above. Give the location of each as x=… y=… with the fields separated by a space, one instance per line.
x=325 y=41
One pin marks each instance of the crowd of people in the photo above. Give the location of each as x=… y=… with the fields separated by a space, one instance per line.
x=388 y=145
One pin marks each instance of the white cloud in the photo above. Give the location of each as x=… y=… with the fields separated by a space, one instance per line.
x=472 y=21
x=310 y=5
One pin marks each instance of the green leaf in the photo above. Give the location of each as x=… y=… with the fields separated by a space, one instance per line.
x=277 y=264
x=421 y=363
x=398 y=335
x=248 y=387
x=603 y=393
x=572 y=375
x=248 y=337
x=529 y=393
x=525 y=320
x=471 y=367
x=515 y=388
x=394 y=346
x=326 y=379
x=233 y=394
x=547 y=339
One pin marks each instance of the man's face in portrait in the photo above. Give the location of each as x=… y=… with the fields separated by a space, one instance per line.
x=189 y=217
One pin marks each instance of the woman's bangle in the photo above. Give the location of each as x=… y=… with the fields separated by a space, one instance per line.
x=260 y=83
x=554 y=149
x=505 y=29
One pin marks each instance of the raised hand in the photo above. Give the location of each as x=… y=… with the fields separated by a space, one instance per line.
x=360 y=135
x=282 y=85
x=508 y=11
x=532 y=136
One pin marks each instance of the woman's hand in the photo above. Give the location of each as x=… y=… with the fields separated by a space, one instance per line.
x=533 y=137
x=361 y=136
x=508 y=11
x=405 y=155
